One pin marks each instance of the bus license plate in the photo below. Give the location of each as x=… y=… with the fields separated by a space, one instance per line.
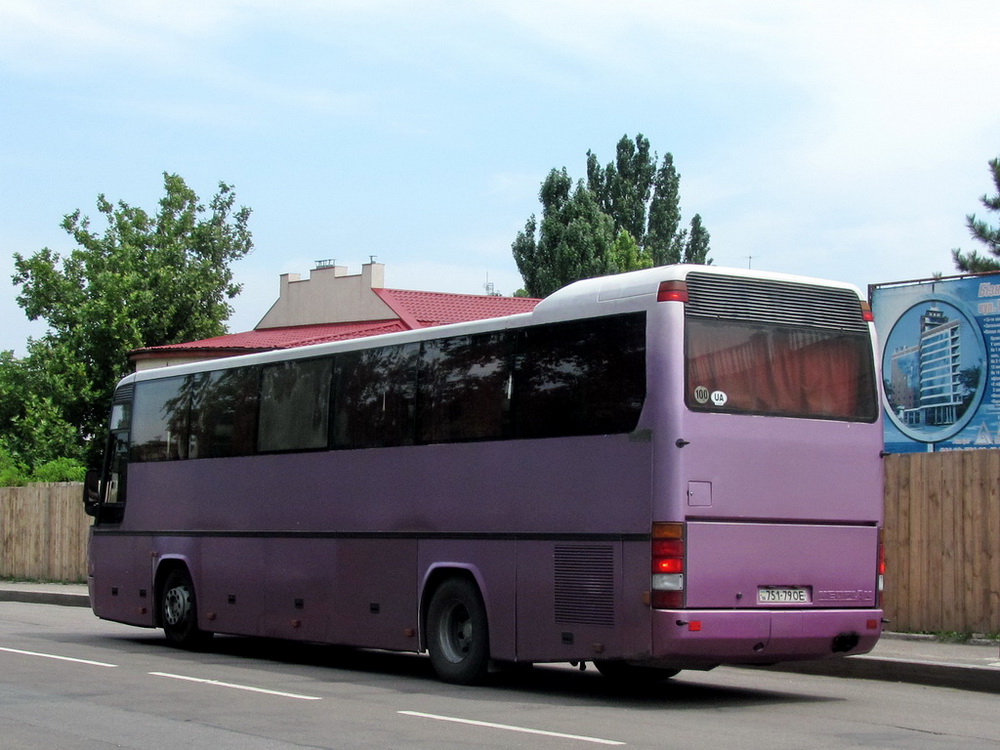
x=788 y=595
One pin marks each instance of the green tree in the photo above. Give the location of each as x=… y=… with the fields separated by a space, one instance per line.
x=144 y=280
x=697 y=245
x=623 y=187
x=662 y=239
x=642 y=202
x=573 y=241
x=626 y=255
x=972 y=261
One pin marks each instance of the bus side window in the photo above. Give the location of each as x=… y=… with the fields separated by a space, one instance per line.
x=376 y=397
x=161 y=419
x=224 y=414
x=584 y=377
x=463 y=388
x=295 y=405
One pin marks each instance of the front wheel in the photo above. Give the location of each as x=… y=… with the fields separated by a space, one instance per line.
x=457 y=632
x=179 y=611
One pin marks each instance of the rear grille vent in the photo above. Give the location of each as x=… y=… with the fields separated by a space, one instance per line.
x=124 y=394
x=764 y=301
x=585 y=584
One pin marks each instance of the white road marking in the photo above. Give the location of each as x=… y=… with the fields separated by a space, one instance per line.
x=59 y=658
x=510 y=728
x=248 y=688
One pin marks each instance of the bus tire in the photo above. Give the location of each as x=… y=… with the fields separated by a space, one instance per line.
x=458 y=633
x=179 y=611
x=631 y=674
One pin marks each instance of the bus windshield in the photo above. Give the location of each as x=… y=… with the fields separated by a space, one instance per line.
x=775 y=370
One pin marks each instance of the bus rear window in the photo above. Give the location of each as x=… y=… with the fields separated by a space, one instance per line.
x=758 y=368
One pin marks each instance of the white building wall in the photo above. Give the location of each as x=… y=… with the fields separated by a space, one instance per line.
x=329 y=295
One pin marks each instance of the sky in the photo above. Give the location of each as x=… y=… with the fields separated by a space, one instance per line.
x=843 y=140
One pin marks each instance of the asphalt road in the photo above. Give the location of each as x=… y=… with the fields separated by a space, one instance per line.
x=71 y=681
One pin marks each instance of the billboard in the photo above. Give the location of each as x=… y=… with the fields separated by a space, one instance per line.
x=939 y=343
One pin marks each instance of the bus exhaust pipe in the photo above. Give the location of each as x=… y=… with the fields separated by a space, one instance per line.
x=845 y=642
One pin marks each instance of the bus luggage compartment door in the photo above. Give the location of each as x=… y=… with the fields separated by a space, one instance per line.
x=775 y=565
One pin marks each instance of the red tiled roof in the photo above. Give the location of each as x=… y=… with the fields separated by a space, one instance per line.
x=440 y=308
x=265 y=339
x=415 y=310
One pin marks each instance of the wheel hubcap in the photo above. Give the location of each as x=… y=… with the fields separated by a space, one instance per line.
x=457 y=633
x=176 y=605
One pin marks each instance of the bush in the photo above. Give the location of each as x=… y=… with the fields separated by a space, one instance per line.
x=12 y=473
x=59 y=470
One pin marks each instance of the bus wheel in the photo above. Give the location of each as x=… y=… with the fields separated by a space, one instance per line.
x=179 y=611
x=625 y=673
x=457 y=632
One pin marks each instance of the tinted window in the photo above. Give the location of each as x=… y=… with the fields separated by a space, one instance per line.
x=160 y=424
x=295 y=405
x=584 y=377
x=464 y=388
x=376 y=394
x=224 y=413
x=757 y=368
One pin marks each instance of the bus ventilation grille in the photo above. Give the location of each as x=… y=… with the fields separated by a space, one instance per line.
x=124 y=394
x=585 y=584
x=765 y=301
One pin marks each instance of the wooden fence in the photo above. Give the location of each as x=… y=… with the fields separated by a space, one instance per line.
x=942 y=533
x=43 y=532
x=942 y=529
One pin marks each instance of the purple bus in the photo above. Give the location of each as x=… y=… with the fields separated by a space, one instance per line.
x=668 y=469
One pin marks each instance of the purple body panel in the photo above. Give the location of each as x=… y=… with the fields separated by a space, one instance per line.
x=761 y=637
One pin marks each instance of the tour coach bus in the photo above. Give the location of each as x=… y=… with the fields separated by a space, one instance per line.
x=667 y=469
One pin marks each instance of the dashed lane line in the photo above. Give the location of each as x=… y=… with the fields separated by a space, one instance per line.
x=511 y=728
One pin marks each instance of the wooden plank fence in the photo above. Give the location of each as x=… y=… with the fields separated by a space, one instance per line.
x=43 y=532
x=942 y=533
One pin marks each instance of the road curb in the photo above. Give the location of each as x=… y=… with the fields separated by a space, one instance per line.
x=66 y=599
x=920 y=672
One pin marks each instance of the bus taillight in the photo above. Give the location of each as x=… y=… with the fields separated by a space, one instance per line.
x=866 y=312
x=667 y=566
x=881 y=564
x=672 y=291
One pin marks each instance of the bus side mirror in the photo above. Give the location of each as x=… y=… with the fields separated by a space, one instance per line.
x=91 y=492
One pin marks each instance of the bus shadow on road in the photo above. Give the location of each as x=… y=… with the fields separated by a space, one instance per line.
x=549 y=683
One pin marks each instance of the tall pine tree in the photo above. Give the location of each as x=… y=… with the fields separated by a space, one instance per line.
x=972 y=261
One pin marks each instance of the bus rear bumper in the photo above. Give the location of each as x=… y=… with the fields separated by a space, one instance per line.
x=705 y=638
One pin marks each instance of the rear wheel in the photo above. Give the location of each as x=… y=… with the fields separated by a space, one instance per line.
x=631 y=674
x=457 y=632
x=179 y=611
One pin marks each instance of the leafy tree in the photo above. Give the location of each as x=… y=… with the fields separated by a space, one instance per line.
x=574 y=240
x=144 y=280
x=973 y=262
x=626 y=255
x=696 y=247
x=623 y=187
x=662 y=238
x=642 y=202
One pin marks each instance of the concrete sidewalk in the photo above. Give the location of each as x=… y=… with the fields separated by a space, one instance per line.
x=898 y=657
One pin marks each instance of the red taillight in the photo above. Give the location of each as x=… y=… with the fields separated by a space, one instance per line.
x=667 y=566
x=880 y=565
x=866 y=312
x=672 y=291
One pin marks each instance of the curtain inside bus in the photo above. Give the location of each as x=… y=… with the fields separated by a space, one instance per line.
x=779 y=370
